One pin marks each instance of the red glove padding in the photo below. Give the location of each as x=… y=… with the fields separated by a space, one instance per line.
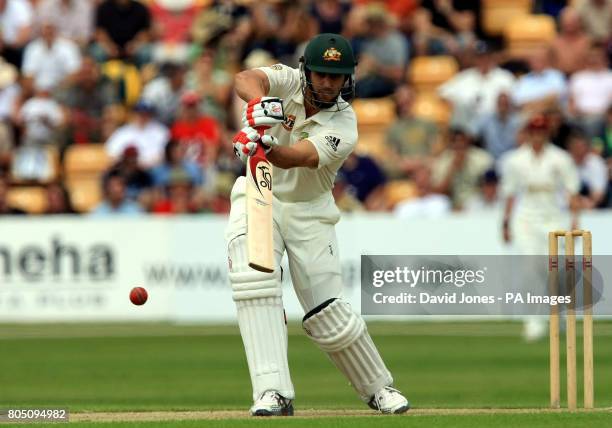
x=245 y=143
x=246 y=140
x=263 y=112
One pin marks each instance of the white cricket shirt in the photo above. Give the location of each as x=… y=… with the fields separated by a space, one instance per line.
x=538 y=180
x=333 y=134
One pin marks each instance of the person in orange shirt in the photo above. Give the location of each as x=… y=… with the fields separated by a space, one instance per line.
x=200 y=134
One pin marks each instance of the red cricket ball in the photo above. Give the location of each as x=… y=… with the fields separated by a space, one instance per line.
x=138 y=296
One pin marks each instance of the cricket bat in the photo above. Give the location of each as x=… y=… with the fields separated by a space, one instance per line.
x=260 y=241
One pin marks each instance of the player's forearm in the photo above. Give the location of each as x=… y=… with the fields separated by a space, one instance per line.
x=508 y=208
x=597 y=198
x=249 y=85
x=288 y=157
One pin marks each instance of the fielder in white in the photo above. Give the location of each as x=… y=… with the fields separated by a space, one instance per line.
x=306 y=149
x=539 y=182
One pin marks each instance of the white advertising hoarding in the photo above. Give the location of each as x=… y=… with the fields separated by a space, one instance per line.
x=82 y=269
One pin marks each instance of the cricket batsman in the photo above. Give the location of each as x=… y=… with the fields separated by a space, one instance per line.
x=306 y=149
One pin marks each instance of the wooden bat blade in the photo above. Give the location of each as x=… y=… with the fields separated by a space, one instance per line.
x=260 y=245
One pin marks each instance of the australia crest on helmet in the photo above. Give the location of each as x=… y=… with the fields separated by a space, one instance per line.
x=332 y=54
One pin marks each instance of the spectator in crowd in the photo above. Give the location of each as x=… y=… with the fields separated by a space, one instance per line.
x=221 y=177
x=115 y=200
x=9 y=94
x=451 y=15
x=603 y=145
x=212 y=84
x=365 y=178
x=330 y=15
x=383 y=58
x=175 y=159
x=5 y=206
x=543 y=87
x=570 y=46
x=172 y=21
x=401 y=10
x=50 y=60
x=143 y=132
x=88 y=100
x=549 y=7
x=428 y=39
x=200 y=135
x=41 y=118
x=164 y=92
x=559 y=128
x=137 y=180
x=457 y=171
x=465 y=38
x=411 y=140
x=603 y=142
x=597 y=18
x=58 y=200
x=307 y=28
x=123 y=30
x=473 y=92
x=72 y=18
x=488 y=198
x=592 y=171
x=224 y=24
x=499 y=130
x=427 y=203
x=280 y=27
x=345 y=199
x=16 y=22
x=591 y=91
x=180 y=195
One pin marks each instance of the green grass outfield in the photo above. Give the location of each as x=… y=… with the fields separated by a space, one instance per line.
x=164 y=368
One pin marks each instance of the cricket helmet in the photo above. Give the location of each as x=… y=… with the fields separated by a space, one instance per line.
x=328 y=53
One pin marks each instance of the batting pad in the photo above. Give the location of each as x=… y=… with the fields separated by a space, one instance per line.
x=340 y=332
x=261 y=319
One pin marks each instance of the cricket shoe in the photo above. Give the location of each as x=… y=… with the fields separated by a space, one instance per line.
x=389 y=400
x=271 y=403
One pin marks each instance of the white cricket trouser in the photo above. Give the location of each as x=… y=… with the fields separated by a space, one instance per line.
x=531 y=231
x=531 y=235
x=306 y=231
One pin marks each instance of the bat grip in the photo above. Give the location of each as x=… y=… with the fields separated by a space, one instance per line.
x=260 y=150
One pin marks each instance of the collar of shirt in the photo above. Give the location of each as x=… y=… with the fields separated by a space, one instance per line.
x=321 y=117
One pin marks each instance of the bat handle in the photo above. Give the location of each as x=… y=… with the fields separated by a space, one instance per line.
x=260 y=150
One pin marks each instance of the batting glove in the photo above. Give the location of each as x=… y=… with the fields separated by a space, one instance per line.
x=268 y=142
x=263 y=112
x=245 y=143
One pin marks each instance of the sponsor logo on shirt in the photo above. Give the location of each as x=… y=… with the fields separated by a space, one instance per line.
x=333 y=142
x=303 y=135
x=276 y=67
x=289 y=122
